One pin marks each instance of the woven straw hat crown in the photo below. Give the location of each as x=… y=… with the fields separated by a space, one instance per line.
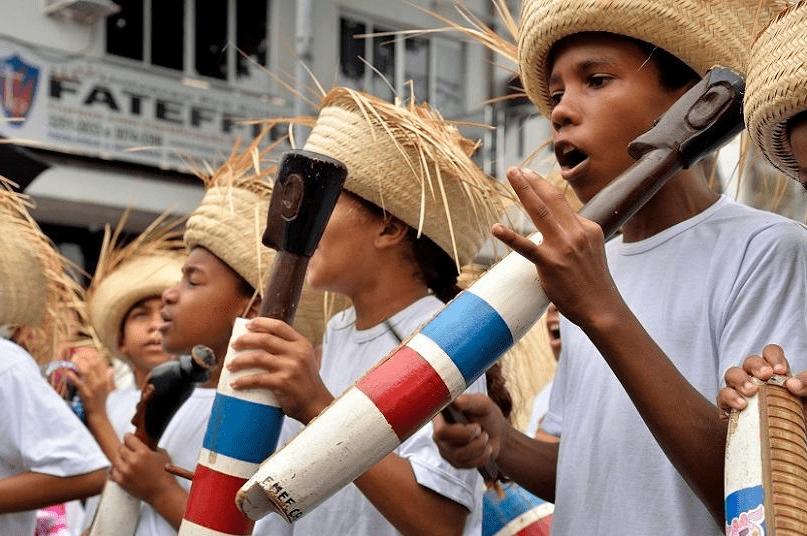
x=776 y=86
x=144 y=268
x=230 y=222
x=701 y=33
x=413 y=164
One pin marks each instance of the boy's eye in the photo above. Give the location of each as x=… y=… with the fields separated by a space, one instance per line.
x=555 y=97
x=598 y=80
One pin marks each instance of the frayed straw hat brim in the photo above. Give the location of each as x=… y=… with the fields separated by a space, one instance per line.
x=36 y=291
x=413 y=164
x=700 y=33
x=776 y=86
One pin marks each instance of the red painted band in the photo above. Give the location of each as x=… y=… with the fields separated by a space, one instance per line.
x=406 y=389
x=211 y=502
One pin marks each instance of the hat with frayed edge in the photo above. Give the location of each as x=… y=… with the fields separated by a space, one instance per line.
x=701 y=33
x=36 y=292
x=125 y=275
x=406 y=159
x=776 y=86
x=230 y=222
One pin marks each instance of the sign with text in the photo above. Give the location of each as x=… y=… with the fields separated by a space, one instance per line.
x=96 y=108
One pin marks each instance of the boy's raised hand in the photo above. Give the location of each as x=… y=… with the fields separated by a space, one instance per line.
x=571 y=258
x=739 y=384
x=290 y=365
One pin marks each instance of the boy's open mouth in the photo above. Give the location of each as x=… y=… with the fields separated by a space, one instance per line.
x=569 y=156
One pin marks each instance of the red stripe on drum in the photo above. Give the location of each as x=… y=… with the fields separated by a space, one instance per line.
x=406 y=390
x=211 y=502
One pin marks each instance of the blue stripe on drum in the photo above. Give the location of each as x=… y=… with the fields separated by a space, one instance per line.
x=242 y=429
x=743 y=500
x=471 y=332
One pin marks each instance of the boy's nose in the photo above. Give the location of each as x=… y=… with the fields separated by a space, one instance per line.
x=564 y=113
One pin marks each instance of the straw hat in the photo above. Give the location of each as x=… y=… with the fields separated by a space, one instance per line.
x=702 y=33
x=145 y=267
x=230 y=221
x=36 y=291
x=413 y=164
x=776 y=87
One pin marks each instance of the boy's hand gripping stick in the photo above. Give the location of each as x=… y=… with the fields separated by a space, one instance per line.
x=437 y=363
x=167 y=387
x=765 y=481
x=244 y=425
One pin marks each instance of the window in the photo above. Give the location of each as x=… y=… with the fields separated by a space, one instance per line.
x=385 y=65
x=225 y=40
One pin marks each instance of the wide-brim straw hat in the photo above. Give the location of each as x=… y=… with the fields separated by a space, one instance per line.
x=406 y=159
x=776 y=86
x=230 y=222
x=125 y=275
x=701 y=33
x=36 y=291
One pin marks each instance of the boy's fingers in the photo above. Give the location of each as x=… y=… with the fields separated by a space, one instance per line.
x=524 y=246
x=728 y=399
x=758 y=367
x=739 y=380
x=798 y=385
x=775 y=357
x=531 y=190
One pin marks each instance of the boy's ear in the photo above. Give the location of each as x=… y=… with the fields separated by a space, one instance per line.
x=254 y=307
x=392 y=232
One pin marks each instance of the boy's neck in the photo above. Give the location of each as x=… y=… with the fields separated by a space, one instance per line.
x=684 y=196
x=382 y=302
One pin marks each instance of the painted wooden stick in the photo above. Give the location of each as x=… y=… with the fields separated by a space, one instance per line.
x=168 y=386
x=765 y=482
x=244 y=425
x=516 y=512
x=416 y=380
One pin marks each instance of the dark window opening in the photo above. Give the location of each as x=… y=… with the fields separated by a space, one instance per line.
x=167 y=37
x=124 y=30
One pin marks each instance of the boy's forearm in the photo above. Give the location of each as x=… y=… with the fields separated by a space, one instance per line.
x=170 y=504
x=104 y=433
x=684 y=423
x=30 y=490
x=530 y=462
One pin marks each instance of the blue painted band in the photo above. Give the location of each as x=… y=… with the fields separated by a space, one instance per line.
x=242 y=429
x=743 y=500
x=498 y=512
x=471 y=332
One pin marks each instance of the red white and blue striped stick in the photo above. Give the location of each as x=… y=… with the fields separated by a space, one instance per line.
x=244 y=425
x=434 y=366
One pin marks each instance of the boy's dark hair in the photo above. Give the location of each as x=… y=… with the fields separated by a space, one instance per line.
x=440 y=274
x=673 y=73
x=793 y=122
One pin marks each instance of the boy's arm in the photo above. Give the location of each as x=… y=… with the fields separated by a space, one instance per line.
x=141 y=472
x=93 y=384
x=30 y=490
x=574 y=273
x=423 y=512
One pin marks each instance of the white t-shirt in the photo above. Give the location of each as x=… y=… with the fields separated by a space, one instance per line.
x=38 y=432
x=347 y=355
x=120 y=408
x=710 y=291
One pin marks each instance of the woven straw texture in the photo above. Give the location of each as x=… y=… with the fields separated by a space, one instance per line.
x=36 y=292
x=413 y=164
x=702 y=33
x=776 y=86
x=140 y=278
x=230 y=222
